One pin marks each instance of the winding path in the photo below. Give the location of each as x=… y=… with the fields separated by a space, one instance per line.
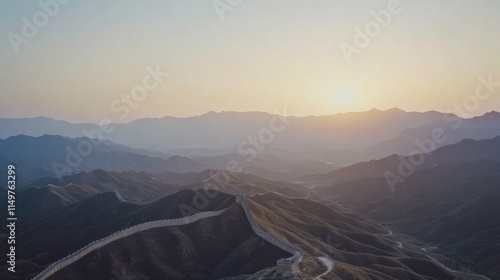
x=472 y=276
x=215 y=175
x=330 y=264
x=400 y=245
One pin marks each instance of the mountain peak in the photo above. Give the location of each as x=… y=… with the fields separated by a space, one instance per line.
x=491 y=114
x=395 y=110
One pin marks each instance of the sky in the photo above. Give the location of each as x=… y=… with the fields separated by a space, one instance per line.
x=87 y=57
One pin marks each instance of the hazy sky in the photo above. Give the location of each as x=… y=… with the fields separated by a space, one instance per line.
x=262 y=55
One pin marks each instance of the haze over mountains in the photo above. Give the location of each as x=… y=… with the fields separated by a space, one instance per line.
x=453 y=129
x=386 y=132
x=55 y=156
x=339 y=140
x=465 y=151
x=341 y=188
x=238 y=140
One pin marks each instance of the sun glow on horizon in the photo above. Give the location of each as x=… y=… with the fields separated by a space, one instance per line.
x=264 y=55
x=344 y=99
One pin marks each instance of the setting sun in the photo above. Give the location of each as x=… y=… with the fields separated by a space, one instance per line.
x=343 y=99
x=238 y=139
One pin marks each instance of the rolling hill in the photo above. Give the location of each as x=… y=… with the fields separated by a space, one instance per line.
x=55 y=156
x=467 y=150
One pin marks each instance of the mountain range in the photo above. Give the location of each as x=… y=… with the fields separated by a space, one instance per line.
x=213 y=248
x=449 y=201
x=342 y=138
x=55 y=156
x=370 y=195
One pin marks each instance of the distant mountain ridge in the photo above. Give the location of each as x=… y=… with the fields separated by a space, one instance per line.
x=337 y=140
x=54 y=156
x=356 y=131
x=465 y=151
x=453 y=129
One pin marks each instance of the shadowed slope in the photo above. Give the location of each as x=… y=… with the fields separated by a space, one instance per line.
x=211 y=248
x=355 y=244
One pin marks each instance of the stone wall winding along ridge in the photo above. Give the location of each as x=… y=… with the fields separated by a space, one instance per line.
x=64 y=262
x=289 y=263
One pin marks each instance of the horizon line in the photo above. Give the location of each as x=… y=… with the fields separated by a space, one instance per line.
x=250 y=112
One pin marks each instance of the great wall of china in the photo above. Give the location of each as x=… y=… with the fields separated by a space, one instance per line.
x=284 y=265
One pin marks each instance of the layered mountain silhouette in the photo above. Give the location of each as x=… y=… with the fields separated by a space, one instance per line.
x=342 y=139
x=371 y=195
x=450 y=201
x=55 y=156
x=225 y=130
x=451 y=127
x=465 y=151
